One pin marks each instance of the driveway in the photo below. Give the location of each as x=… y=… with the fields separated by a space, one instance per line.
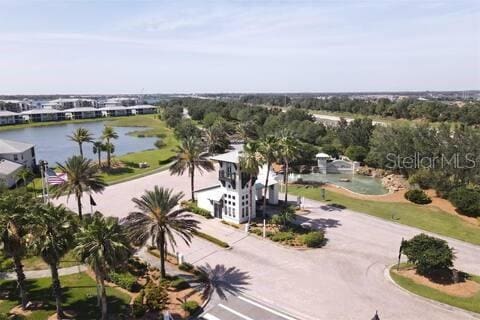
x=343 y=280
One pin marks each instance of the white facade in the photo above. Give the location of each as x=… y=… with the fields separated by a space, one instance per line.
x=15 y=105
x=232 y=200
x=7 y=117
x=9 y=173
x=19 y=152
x=69 y=103
x=42 y=115
x=115 y=111
x=125 y=102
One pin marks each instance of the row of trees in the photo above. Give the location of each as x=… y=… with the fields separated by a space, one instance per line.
x=103 y=243
x=104 y=144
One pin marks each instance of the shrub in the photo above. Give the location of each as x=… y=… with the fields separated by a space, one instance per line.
x=137 y=267
x=429 y=254
x=138 y=308
x=283 y=236
x=423 y=178
x=156 y=297
x=179 y=284
x=313 y=239
x=190 y=306
x=6 y=264
x=193 y=208
x=166 y=161
x=159 y=144
x=417 y=196
x=125 y=280
x=467 y=201
x=187 y=267
x=258 y=232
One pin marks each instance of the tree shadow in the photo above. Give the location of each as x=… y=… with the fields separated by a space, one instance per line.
x=333 y=207
x=221 y=280
x=318 y=223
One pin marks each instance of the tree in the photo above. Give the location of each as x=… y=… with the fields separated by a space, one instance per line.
x=80 y=136
x=157 y=219
x=98 y=147
x=467 y=201
x=53 y=236
x=356 y=153
x=26 y=174
x=268 y=149
x=82 y=176
x=285 y=216
x=16 y=208
x=247 y=130
x=288 y=151
x=190 y=156
x=108 y=134
x=429 y=254
x=250 y=162
x=216 y=138
x=103 y=245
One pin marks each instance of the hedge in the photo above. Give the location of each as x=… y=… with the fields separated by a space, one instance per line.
x=193 y=208
x=179 y=284
x=417 y=196
x=125 y=280
x=188 y=267
x=211 y=239
x=190 y=306
x=314 y=239
x=467 y=201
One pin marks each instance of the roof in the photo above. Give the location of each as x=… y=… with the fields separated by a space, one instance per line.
x=8 y=167
x=112 y=108
x=214 y=193
x=8 y=114
x=42 y=111
x=322 y=155
x=81 y=109
x=142 y=106
x=10 y=146
x=232 y=156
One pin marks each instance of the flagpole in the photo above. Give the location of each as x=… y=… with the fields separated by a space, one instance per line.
x=42 y=179
x=46 y=183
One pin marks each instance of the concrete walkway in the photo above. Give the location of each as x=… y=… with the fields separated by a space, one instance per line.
x=36 y=274
x=343 y=280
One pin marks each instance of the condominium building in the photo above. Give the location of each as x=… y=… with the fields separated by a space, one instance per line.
x=15 y=105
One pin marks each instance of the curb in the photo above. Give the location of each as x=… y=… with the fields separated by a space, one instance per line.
x=435 y=303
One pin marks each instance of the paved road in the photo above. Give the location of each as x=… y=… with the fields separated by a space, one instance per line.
x=243 y=308
x=343 y=280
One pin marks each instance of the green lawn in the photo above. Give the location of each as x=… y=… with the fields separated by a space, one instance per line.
x=471 y=303
x=37 y=263
x=79 y=293
x=426 y=218
x=148 y=126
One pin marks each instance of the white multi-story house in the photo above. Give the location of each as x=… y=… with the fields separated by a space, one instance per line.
x=121 y=102
x=15 y=105
x=41 y=115
x=83 y=113
x=14 y=156
x=115 y=111
x=231 y=200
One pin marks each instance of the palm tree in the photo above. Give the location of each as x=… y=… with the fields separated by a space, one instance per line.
x=268 y=149
x=158 y=219
x=103 y=245
x=53 y=236
x=80 y=136
x=289 y=149
x=108 y=134
x=190 y=156
x=250 y=162
x=15 y=213
x=26 y=174
x=82 y=176
x=97 y=149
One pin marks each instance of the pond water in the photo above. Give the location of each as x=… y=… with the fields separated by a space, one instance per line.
x=51 y=142
x=358 y=183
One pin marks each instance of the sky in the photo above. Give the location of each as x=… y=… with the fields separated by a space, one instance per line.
x=128 y=46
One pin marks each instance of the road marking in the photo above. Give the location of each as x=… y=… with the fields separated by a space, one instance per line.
x=235 y=312
x=275 y=312
x=208 y=316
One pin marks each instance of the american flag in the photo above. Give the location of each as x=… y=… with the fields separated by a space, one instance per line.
x=55 y=179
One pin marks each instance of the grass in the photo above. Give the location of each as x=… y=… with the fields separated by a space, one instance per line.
x=157 y=159
x=426 y=218
x=79 y=293
x=37 y=263
x=470 y=303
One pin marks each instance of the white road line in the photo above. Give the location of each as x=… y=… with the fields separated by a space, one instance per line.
x=235 y=312
x=208 y=316
x=275 y=312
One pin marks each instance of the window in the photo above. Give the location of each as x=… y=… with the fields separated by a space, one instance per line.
x=15 y=157
x=233 y=197
x=233 y=212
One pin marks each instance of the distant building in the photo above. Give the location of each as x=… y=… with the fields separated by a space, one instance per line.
x=15 y=105
x=41 y=115
x=231 y=200
x=115 y=111
x=119 y=102
x=70 y=103
x=142 y=109
x=83 y=113
x=8 y=117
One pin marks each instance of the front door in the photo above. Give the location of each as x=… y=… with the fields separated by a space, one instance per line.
x=217 y=210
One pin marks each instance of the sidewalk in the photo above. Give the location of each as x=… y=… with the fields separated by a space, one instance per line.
x=36 y=274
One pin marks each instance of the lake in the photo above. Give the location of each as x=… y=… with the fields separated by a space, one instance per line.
x=51 y=142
